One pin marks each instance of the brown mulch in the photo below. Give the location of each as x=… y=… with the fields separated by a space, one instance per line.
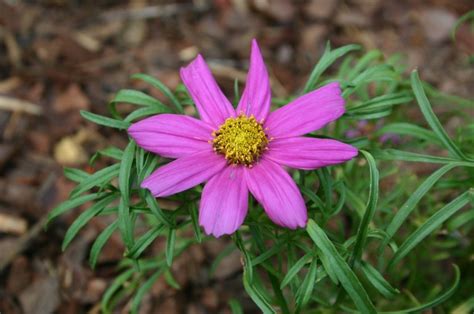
x=59 y=57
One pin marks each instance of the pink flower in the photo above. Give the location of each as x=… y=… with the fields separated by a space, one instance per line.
x=237 y=151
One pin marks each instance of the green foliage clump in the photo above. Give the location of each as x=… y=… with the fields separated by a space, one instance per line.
x=378 y=231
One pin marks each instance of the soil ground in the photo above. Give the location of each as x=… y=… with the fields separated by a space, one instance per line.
x=58 y=57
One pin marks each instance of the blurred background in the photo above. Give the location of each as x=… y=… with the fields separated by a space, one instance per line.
x=58 y=57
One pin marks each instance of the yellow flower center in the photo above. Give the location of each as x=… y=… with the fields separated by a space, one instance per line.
x=241 y=140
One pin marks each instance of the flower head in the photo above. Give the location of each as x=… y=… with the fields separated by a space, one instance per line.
x=240 y=150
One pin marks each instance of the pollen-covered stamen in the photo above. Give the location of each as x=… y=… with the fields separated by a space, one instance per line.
x=241 y=140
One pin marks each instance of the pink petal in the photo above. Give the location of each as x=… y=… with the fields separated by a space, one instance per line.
x=212 y=105
x=257 y=94
x=171 y=135
x=184 y=173
x=276 y=191
x=224 y=202
x=307 y=113
x=309 y=153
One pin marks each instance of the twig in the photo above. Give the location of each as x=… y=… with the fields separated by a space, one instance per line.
x=12 y=224
x=153 y=11
x=22 y=243
x=15 y=104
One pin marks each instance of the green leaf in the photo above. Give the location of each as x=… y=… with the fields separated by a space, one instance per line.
x=170 y=246
x=429 y=226
x=105 y=121
x=144 y=112
x=195 y=221
x=124 y=217
x=394 y=154
x=370 y=115
x=343 y=272
x=263 y=304
x=303 y=294
x=84 y=218
x=362 y=231
x=460 y=220
x=171 y=281
x=144 y=288
x=99 y=178
x=100 y=242
x=70 y=204
x=294 y=270
x=118 y=283
x=125 y=224
x=410 y=130
x=235 y=307
x=156 y=210
x=438 y=300
x=327 y=59
x=380 y=103
x=236 y=93
x=75 y=175
x=378 y=281
x=135 y=97
x=363 y=62
x=411 y=203
x=431 y=118
x=125 y=170
x=266 y=255
x=112 y=152
x=377 y=73
x=466 y=17
x=161 y=87
x=247 y=259
x=313 y=197
x=144 y=241
x=465 y=307
x=325 y=178
x=328 y=267
x=428 y=305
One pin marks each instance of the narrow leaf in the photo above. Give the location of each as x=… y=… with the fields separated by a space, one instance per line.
x=362 y=231
x=100 y=242
x=412 y=201
x=170 y=246
x=235 y=307
x=105 y=121
x=160 y=86
x=75 y=175
x=378 y=281
x=345 y=275
x=431 y=118
x=144 y=241
x=437 y=301
x=263 y=304
x=325 y=62
x=70 y=204
x=195 y=221
x=116 y=285
x=84 y=218
x=295 y=268
x=429 y=226
x=303 y=294
x=99 y=178
x=144 y=288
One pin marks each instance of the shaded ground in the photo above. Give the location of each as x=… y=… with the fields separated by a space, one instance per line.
x=57 y=57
